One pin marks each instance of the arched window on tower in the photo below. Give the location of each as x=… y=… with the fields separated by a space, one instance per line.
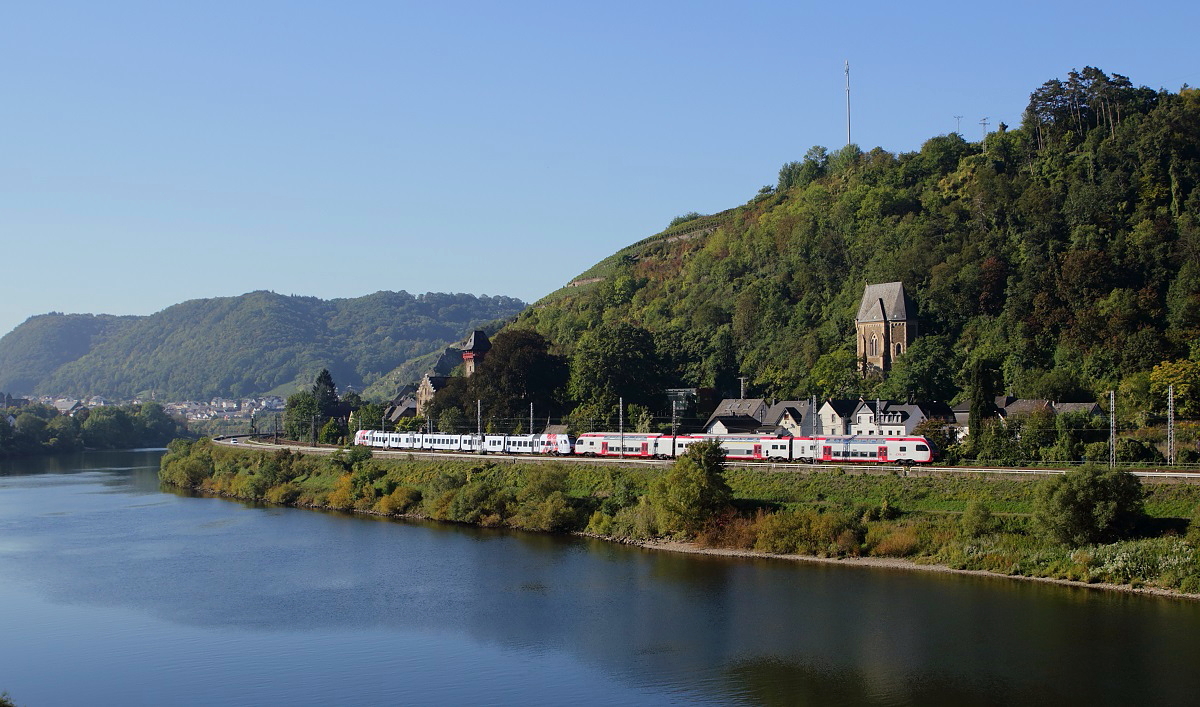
x=874 y=345
x=899 y=349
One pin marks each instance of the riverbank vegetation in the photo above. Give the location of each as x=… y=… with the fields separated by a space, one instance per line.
x=1091 y=525
x=40 y=429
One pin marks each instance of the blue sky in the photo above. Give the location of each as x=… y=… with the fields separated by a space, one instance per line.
x=155 y=152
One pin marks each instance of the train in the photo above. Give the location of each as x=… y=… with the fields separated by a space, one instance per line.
x=833 y=449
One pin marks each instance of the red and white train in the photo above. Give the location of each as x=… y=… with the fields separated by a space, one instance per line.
x=834 y=449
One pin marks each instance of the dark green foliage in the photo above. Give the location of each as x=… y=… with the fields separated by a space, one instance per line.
x=616 y=361
x=519 y=371
x=684 y=218
x=1053 y=260
x=693 y=490
x=300 y=417
x=809 y=532
x=235 y=346
x=324 y=393
x=41 y=430
x=947 y=519
x=977 y=520
x=1089 y=505
x=1193 y=533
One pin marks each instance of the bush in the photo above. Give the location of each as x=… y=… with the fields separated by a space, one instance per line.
x=808 y=532
x=900 y=542
x=286 y=493
x=693 y=491
x=730 y=530
x=553 y=513
x=600 y=524
x=1193 y=532
x=977 y=520
x=402 y=499
x=638 y=522
x=1089 y=505
x=1162 y=561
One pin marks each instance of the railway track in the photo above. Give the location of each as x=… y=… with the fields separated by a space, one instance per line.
x=1192 y=476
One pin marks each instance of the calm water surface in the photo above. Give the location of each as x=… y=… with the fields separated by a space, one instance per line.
x=113 y=591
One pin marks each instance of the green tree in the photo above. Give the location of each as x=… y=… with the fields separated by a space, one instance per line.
x=62 y=435
x=324 y=392
x=452 y=421
x=834 y=375
x=518 y=371
x=618 y=360
x=331 y=432
x=693 y=491
x=1090 y=504
x=155 y=426
x=109 y=427
x=300 y=416
x=920 y=373
x=1185 y=376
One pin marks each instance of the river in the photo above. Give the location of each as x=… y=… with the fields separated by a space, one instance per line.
x=115 y=591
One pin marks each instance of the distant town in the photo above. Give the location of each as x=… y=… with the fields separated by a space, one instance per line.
x=215 y=409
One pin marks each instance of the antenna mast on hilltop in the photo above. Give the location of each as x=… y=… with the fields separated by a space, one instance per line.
x=847 y=101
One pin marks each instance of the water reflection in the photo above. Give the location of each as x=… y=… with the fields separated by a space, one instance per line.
x=682 y=627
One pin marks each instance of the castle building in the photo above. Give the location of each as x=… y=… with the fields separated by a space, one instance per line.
x=885 y=326
x=474 y=350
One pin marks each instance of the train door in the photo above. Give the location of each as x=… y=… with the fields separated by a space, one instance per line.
x=883 y=455
x=827 y=453
x=645 y=449
x=603 y=448
x=758 y=451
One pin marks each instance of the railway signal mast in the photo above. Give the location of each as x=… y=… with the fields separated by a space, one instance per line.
x=1171 y=424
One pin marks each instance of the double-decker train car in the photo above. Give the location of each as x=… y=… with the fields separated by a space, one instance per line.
x=872 y=450
x=630 y=444
x=638 y=445
x=506 y=444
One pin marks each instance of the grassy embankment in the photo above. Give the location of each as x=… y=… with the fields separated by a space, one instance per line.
x=969 y=523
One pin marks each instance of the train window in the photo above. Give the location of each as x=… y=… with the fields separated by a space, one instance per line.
x=903 y=448
x=922 y=448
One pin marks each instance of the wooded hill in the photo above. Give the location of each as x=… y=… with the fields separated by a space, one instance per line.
x=1055 y=260
x=260 y=342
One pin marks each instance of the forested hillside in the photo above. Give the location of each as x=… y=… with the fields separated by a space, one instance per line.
x=1054 y=260
x=37 y=348
x=233 y=346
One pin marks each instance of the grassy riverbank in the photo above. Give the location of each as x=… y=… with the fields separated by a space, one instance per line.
x=968 y=523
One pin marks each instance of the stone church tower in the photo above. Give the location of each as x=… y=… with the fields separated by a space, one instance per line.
x=886 y=324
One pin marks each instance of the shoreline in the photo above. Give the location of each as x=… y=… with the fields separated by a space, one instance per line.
x=681 y=547
x=901 y=564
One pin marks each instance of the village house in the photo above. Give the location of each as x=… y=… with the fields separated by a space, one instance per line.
x=68 y=406
x=792 y=417
x=834 y=417
x=886 y=418
x=1008 y=406
x=427 y=388
x=736 y=416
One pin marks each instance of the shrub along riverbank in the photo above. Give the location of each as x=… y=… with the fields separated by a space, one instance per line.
x=1091 y=525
